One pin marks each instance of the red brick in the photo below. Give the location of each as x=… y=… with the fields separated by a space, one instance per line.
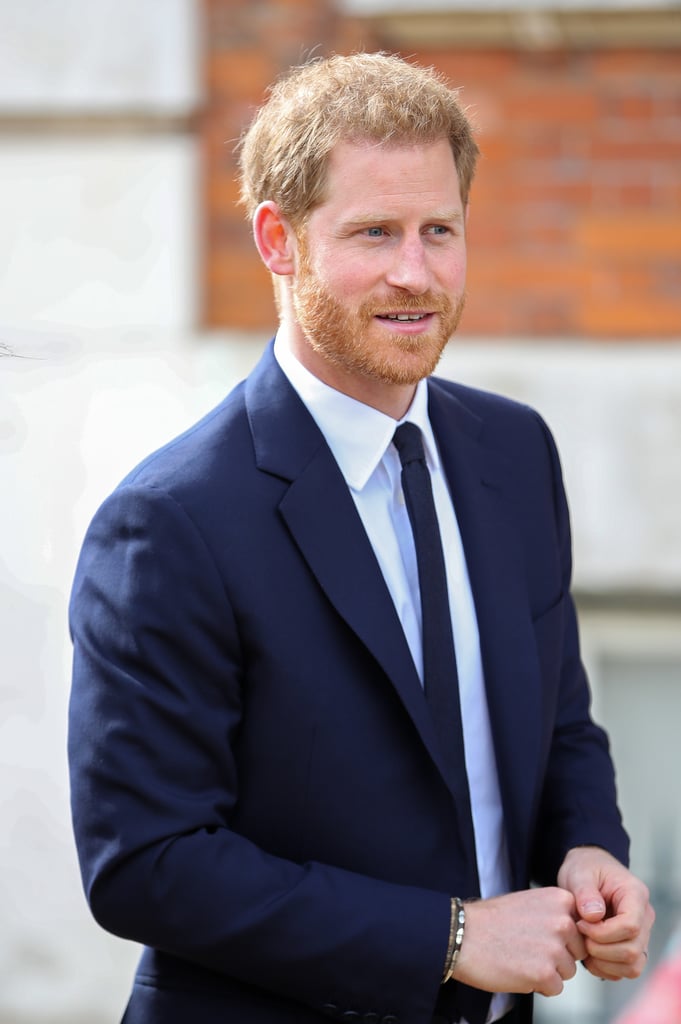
x=630 y=318
x=627 y=238
x=239 y=294
x=241 y=73
x=552 y=105
x=650 y=150
x=468 y=68
x=644 y=66
x=631 y=107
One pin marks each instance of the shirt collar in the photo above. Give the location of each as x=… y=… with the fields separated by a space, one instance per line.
x=357 y=434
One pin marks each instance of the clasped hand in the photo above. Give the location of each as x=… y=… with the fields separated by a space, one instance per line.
x=531 y=941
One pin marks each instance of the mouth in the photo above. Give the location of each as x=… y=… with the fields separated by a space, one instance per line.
x=404 y=317
x=406 y=324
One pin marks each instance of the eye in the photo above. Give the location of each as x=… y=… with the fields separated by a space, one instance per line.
x=375 y=231
x=438 y=229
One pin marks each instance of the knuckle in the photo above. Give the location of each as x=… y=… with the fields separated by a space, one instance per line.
x=567 y=930
x=557 y=986
x=548 y=980
x=631 y=957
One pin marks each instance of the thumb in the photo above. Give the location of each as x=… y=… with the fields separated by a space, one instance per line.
x=589 y=903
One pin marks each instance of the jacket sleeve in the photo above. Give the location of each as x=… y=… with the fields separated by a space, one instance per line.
x=159 y=687
x=579 y=799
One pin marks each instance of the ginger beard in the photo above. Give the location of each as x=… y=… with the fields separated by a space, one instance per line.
x=351 y=338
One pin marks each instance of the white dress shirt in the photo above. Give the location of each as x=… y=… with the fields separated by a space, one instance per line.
x=360 y=437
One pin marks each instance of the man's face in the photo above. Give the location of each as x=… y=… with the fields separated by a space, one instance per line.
x=380 y=276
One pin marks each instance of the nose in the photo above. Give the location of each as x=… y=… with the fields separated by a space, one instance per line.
x=408 y=269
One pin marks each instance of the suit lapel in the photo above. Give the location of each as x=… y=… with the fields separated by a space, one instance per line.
x=479 y=482
x=325 y=525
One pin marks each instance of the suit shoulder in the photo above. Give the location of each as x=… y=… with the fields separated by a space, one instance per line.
x=481 y=401
x=495 y=413
x=512 y=428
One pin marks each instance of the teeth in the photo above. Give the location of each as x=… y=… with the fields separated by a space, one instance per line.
x=405 y=316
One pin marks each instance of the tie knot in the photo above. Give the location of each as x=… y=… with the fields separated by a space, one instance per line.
x=409 y=443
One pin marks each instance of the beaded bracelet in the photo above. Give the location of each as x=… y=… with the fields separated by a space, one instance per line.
x=456 y=930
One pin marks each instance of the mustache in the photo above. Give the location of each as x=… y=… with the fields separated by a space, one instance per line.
x=429 y=302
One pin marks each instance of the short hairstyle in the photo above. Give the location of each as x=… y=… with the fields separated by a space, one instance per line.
x=373 y=97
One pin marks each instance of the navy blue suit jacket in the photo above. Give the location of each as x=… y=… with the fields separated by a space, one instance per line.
x=256 y=787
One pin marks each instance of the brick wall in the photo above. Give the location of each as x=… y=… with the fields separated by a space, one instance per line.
x=575 y=226
x=247 y=45
x=575 y=222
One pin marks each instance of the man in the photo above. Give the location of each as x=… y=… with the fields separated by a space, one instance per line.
x=262 y=793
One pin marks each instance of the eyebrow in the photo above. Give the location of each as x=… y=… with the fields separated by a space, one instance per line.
x=381 y=218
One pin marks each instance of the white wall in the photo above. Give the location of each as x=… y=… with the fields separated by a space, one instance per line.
x=98 y=232
x=98 y=258
x=98 y=55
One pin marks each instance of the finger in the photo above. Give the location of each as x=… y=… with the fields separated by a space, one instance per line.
x=552 y=985
x=623 y=960
x=612 y=971
x=613 y=930
x=632 y=901
x=567 y=968
x=621 y=928
x=600 y=970
x=576 y=947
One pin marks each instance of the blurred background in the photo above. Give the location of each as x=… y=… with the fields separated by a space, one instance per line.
x=131 y=300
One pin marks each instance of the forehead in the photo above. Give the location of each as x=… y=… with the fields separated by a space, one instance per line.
x=363 y=175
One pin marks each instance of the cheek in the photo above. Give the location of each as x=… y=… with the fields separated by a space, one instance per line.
x=345 y=269
x=345 y=280
x=453 y=274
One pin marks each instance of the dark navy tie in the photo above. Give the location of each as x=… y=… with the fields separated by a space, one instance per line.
x=440 y=677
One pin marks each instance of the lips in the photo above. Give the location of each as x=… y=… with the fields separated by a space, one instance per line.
x=403 y=317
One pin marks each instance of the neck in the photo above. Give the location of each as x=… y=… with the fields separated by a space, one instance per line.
x=389 y=398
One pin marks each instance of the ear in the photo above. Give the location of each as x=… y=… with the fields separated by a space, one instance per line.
x=275 y=239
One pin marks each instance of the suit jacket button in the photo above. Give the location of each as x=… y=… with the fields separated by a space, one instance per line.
x=390 y=1018
x=331 y=1009
x=371 y=1018
x=350 y=1016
